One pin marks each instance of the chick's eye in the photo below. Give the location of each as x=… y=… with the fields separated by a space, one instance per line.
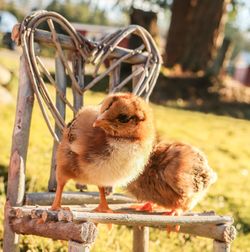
x=123 y=118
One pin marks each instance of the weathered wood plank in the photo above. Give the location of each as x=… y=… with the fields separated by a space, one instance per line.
x=140 y=239
x=114 y=76
x=214 y=227
x=221 y=246
x=124 y=208
x=83 y=233
x=223 y=232
x=136 y=78
x=78 y=247
x=44 y=37
x=148 y=220
x=35 y=212
x=61 y=82
x=20 y=139
x=74 y=198
x=78 y=70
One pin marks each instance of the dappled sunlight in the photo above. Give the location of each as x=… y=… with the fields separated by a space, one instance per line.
x=221 y=138
x=201 y=97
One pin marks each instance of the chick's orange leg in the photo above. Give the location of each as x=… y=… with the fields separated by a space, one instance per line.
x=103 y=205
x=56 y=205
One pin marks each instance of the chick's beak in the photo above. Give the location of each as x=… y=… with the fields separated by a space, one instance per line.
x=99 y=121
x=96 y=123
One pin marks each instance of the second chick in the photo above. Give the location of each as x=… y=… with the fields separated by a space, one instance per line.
x=176 y=178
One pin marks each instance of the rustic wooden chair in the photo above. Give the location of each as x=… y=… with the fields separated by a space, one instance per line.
x=21 y=209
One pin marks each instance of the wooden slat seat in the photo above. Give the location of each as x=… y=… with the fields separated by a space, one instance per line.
x=206 y=224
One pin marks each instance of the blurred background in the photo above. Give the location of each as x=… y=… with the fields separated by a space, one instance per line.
x=202 y=97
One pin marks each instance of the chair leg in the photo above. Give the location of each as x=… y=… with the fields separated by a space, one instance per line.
x=140 y=239
x=20 y=140
x=78 y=247
x=221 y=246
x=15 y=195
x=11 y=239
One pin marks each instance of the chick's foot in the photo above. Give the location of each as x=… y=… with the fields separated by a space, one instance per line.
x=147 y=207
x=174 y=212
x=59 y=208
x=102 y=209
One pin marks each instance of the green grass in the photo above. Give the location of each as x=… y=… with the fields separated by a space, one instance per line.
x=225 y=141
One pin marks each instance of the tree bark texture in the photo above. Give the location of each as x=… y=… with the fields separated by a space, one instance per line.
x=80 y=232
x=196 y=31
x=221 y=60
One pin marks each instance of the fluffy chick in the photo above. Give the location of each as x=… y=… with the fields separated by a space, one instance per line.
x=106 y=145
x=176 y=178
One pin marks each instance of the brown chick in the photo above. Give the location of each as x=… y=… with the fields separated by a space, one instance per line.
x=105 y=145
x=176 y=178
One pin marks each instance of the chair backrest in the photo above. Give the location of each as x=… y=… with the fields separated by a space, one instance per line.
x=73 y=53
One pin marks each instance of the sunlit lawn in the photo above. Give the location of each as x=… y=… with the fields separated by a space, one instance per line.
x=225 y=141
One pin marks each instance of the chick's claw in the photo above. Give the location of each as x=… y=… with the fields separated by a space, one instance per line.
x=147 y=207
x=59 y=208
x=102 y=209
x=175 y=212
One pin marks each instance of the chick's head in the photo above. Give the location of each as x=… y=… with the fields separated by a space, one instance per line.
x=125 y=115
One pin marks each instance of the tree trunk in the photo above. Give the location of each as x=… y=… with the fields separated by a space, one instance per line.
x=146 y=19
x=222 y=58
x=196 y=31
